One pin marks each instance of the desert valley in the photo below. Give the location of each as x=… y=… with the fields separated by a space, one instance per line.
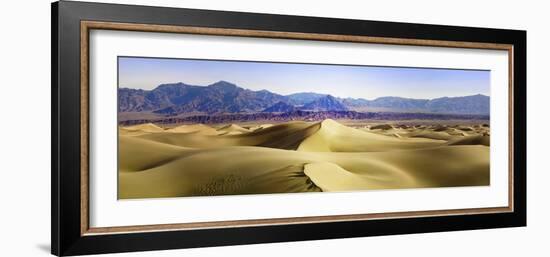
x=231 y=141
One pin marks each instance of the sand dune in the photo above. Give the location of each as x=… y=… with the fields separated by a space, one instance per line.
x=239 y=170
x=200 y=129
x=136 y=154
x=439 y=128
x=233 y=128
x=382 y=127
x=334 y=137
x=141 y=129
x=331 y=177
x=283 y=136
x=456 y=132
x=429 y=134
x=471 y=140
x=295 y=157
x=258 y=127
x=149 y=127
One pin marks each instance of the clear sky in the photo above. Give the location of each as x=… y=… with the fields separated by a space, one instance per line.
x=367 y=82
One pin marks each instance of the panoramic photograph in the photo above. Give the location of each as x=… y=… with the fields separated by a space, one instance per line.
x=193 y=127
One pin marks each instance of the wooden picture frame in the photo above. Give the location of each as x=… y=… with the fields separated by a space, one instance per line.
x=71 y=25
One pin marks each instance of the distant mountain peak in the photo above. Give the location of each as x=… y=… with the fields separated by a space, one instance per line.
x=223 y=84
x=303 y=98
x=393 y=98
x=331 y=98
x=478 y=95
x=171 y=85
x=326 y=103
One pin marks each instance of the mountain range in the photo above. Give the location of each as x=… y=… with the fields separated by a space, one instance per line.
x=225 y=97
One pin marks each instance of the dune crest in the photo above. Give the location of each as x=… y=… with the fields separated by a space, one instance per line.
x=283 y=136
x=148 y=127
x=258 y=127
x=200 y=129
x=233 y=128
x=335 y=137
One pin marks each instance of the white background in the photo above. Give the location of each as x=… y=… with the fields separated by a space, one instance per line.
x=25 y=128
x=106 y=211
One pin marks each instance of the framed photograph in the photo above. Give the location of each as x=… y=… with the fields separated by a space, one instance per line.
x=177 y=128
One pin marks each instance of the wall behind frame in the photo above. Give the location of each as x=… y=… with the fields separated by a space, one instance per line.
x=25 y=126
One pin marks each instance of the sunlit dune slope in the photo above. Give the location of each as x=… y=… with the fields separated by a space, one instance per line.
x=335 y=137
x=232 y=128
x=283 y=136
x=148 y=127
x=258 y=127
x=141 y=129
x=200 y=129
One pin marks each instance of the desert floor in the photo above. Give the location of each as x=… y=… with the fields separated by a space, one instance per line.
x=201 y=160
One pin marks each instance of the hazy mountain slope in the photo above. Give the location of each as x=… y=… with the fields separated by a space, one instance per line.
x=178 y=98
x=474 y=104
x=303 y=98
x=398 y=102
x=326 y=103
x=280 y=107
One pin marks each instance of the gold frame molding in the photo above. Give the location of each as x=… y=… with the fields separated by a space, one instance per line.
x=86 y=26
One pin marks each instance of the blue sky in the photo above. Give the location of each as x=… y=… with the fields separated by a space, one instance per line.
x=367 y=82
